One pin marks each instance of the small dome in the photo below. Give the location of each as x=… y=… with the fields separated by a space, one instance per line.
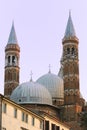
x=30 y=92
x=54 y=84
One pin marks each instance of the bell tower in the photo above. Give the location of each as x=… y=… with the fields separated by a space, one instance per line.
x=70 y=63
x=11 y=76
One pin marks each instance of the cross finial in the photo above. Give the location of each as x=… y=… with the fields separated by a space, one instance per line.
x=49 y=68
x=31 y=76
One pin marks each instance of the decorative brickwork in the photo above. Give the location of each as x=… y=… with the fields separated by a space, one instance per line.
x=11 y=68
x=70 y=63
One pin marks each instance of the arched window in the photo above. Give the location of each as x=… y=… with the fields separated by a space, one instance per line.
x=73 y=50
x=9 y=59
x=68 y=50
x=13 y=59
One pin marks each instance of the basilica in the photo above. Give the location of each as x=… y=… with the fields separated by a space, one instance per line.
x=55 y=96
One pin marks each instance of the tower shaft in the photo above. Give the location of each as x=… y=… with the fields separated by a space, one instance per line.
x=70 y=63
x=11 y=77
x=71 y=71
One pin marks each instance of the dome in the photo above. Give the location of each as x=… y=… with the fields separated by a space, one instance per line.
x=53 y=83
x=31 y=92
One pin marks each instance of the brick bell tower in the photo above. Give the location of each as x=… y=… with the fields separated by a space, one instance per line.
x=70 y=63
x=70 y=66
x=11 y=77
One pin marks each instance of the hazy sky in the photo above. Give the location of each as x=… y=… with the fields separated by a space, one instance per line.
x=40 y=26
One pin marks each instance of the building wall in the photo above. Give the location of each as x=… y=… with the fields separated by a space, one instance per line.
x=55 y=124
x=51 y=110
x=11 y=123
x=70 y=112
x=15 y=117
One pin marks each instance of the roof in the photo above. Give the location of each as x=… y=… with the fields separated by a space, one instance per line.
x=53 y=83
x=2 y=97
x=31 y=92
x=70 y=31
x=12 y=37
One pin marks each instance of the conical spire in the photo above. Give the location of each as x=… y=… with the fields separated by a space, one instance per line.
x=12 y=37
x=70 y=31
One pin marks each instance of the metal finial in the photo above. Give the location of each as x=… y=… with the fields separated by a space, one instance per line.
x=13 y=22
x=31 y=76
x=49 y=68
x=69 y=12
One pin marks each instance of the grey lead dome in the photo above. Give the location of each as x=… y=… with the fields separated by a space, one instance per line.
x=54 y=84
x=31 y=92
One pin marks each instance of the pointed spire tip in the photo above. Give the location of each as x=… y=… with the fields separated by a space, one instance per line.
x=70 y=12
x=12 y=22
x=70 y=31
x=12 y=37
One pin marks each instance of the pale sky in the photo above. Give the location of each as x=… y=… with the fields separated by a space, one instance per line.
x=40 y=26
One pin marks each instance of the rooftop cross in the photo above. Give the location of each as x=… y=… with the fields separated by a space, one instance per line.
x=49 y=68
x=31 y=76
